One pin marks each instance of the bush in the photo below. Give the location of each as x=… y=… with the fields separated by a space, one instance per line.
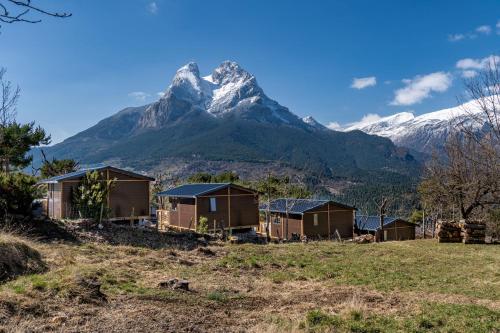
x=202 y=226
x=91 y=195
x=17 y=193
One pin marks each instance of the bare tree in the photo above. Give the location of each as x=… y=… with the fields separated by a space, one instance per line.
x=468 y=177
x=9 y=97
x=13 y=11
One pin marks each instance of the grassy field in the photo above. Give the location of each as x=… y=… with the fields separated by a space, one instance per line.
x=413 y=286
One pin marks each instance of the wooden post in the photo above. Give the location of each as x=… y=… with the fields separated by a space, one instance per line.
x=229 y=205
x=179 y=213
x=329 y=220
x=302 y=226
x=196 y=213
x=229 y=208
x=107 y=179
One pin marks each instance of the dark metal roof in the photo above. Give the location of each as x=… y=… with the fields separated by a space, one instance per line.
x=80 y=173
x=193 y=190
x=372 y=223
x=296 y=206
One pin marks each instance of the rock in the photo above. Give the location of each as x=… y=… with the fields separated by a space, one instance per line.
x=364 y=239
x=206 y=251
x=175 y=284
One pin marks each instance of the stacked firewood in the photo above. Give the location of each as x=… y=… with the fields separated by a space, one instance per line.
x=473 y=232
x=449 y=232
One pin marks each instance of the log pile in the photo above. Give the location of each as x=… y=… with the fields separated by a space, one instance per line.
x=449 y=232
x=473 y=232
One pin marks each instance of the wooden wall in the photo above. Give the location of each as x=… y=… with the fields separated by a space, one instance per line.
x=244 y=207
x=279 y=230
x=341 y=219
x=54 y=201
x=128 y=195
x=244 y=210
x=399 y=230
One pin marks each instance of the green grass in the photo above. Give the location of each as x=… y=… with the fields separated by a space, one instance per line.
x=427 y=280
x=432 y=317
x=423 y=266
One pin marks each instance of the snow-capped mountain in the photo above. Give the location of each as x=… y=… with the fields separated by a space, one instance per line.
x=226 y=117
x=228 y=90
x=422 y=133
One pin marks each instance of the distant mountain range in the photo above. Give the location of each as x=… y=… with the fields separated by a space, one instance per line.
x=423 y=133
x=226 y=119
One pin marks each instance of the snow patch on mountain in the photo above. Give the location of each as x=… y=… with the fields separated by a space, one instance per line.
x=313 y=122
x=422 y=133
x=229 y=89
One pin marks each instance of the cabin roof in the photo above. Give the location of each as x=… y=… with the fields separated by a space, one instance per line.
x=297 y=206
x=372 y=222
x=80 y=173
x=194 y=190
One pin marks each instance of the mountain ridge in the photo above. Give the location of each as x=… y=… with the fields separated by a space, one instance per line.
x=226 y=119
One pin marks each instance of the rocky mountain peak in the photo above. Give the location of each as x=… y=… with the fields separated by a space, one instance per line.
x=229 y=72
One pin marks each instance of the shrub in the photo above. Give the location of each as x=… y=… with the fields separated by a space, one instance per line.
x=91 y=195
x=202 y=226
x=17 y=193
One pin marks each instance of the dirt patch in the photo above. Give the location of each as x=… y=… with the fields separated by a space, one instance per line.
x=18 y=258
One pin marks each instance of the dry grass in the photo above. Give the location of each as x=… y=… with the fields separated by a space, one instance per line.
x=288 y=287
x=17 y=257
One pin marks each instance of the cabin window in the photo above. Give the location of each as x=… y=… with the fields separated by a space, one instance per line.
x=315 y=216
x=385 y=235
x=213 y=205
x=277 y=219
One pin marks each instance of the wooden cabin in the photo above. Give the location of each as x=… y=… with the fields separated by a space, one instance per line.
x=295 y=218
x=129 y=195
x=225 y=205
x=395 y=229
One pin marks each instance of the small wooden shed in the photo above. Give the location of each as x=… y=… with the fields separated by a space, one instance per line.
x=129 y=195
x=225 y=205
x=394 y=228
x=295 y=218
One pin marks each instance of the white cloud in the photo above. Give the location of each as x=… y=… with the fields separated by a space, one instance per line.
x=456 y=37
x=368 y=119
x=469 y=74
x=421 y=87
x=469 y=63
x=363 y=82
x=139 y=95
x=153 y=7
x=484 y=29
x=481 y=30
x=160 y=94
x=334 y=126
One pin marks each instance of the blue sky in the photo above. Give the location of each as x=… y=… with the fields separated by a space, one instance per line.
x=305 y=54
